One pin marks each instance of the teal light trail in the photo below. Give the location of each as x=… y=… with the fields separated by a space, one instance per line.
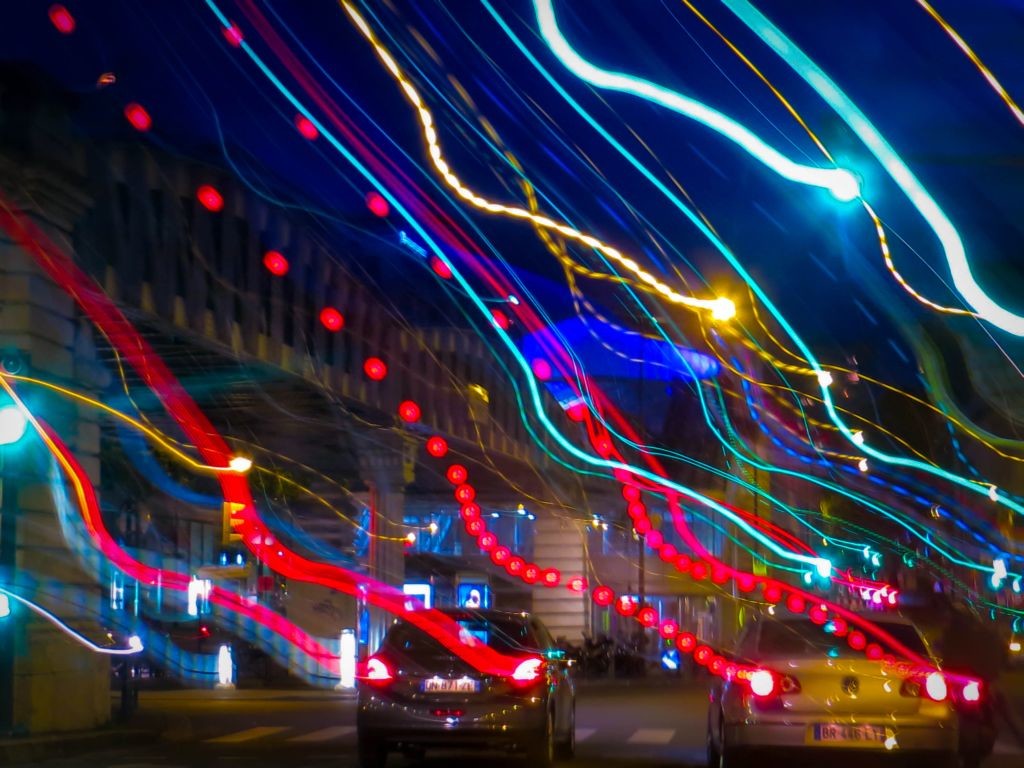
x=824 y=378
x=952 y=245
x=821 y=564
x=840 y=182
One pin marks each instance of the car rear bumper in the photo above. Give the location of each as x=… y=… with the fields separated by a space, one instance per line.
x=497 y=723
x=932 y=738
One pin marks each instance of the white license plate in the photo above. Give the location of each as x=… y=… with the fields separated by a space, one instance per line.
x=441 y=685
x=835 y=732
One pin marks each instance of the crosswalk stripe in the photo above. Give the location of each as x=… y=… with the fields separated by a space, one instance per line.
x=326 y=734
x=652 y=736
x=584 y=733
x=248 y=734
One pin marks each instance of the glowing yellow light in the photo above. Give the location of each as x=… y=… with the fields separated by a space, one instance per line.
x=824 y=378
x=480 y=392
x=858 y=437
x=723 y=309
x=437 y=158
x=862 y=465
x=432 y=528
x=410 y=537
x=993 y=493
x=1014 y=646
x=240 y=464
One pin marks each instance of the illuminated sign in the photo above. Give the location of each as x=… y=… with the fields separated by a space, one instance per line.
x=474 y=595
x=425 y=593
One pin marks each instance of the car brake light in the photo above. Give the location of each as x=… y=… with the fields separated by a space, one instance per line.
x=378 y=672
x=972 y=691
x=933 y=687
x=762 y=683
x=528 y=671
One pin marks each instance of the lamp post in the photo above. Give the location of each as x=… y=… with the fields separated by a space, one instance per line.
x=12 y=428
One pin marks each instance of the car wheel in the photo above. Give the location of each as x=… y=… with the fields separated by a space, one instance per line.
x=712 y=750
x=372 y=752
x=541 y=751
x=727 y=758
x=567 y=747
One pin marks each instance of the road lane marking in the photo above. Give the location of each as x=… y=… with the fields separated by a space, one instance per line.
x=652 y=736
x=582 y=734
x=326 y=734
x=248 y=734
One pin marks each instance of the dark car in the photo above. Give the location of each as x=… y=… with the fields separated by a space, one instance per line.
x=415 y=694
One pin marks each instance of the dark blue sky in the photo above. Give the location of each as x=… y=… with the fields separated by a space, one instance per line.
x=891 y=58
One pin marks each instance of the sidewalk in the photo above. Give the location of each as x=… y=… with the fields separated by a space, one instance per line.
x=30 y=749
x=1012 y=687
x=147 y=723
x=243 y=694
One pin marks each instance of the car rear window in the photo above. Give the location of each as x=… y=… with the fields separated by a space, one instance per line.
x=505 y=635
x=803 y=638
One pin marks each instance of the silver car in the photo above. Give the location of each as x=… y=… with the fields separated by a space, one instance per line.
x=415 y=694
x=812 y=696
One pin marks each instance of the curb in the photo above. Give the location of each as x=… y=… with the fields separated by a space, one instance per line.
x=32 y=749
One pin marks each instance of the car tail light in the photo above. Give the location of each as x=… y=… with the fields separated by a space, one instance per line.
x=789 y=684
x=378 y=672
x=767 y=689
x=527 y=672
x=931 y=686
x=971 y=692
x=762 y=683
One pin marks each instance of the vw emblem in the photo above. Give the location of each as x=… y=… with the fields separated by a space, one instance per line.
x=850 y=686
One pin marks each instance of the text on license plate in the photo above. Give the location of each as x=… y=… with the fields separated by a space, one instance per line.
x=442 y=685
x=839 y=732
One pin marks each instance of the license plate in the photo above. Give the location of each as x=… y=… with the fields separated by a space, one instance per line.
x=835 y=732
x=442 y=685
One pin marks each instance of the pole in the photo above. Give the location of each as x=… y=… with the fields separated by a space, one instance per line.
x=8 y=532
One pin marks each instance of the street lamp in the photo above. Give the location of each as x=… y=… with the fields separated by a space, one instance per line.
x=12 y=424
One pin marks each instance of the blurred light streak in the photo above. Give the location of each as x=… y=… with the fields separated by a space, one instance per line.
x=135 y=645
x=883 y=243
x=977 y=62
x=193 y=667
x=153 y=434
x=97 y=532
x=740 y=270
x=840 y=182
x=531 y=382
x=925 y=535
x=721 y=308
x=179 y=405
x=882 y=239
x=952 y=245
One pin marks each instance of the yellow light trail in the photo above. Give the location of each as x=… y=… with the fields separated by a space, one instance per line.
x=148 y=431
x=977 y=62
x=720 y=308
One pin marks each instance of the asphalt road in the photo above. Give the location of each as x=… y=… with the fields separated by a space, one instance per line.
x=646 y=725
